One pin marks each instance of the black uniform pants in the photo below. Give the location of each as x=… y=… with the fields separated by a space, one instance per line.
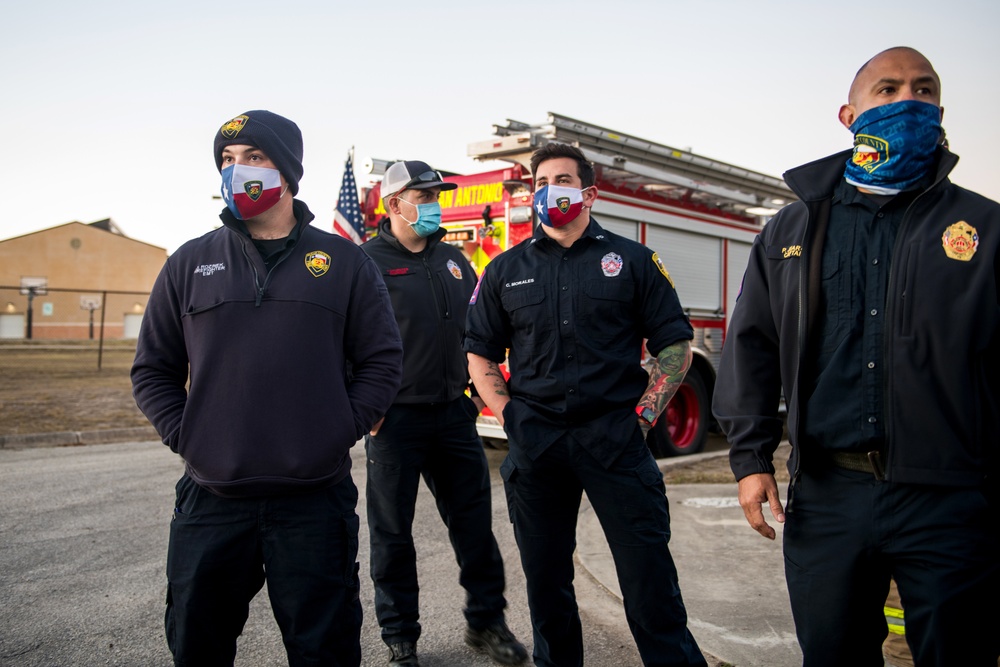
x=846 y=534
x=629 y=497
x=219 y=552
x=440 y=443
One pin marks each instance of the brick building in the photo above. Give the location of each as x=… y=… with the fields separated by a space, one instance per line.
x=61 y=281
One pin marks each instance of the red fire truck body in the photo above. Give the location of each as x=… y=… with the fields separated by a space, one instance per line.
x=700 y=215
x=486 y=214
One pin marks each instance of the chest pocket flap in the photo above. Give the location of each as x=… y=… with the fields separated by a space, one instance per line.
x=520 y=297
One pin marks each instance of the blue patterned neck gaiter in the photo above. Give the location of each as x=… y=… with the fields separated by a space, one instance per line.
x=894 y=146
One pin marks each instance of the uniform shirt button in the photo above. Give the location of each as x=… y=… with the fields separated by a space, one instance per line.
x=569 y=356
x=871 y=364
x=565 y=321
x=564 y=288
x=572 y=391
x=881 y=214
x=875 y=262
x=872 y=420
x=874 y=312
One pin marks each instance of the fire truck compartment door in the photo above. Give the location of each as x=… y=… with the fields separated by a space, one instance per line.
x=694 y=261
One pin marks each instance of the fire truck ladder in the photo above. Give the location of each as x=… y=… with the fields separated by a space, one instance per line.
x=636 y=163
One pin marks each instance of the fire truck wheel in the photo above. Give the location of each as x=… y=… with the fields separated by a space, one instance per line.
x=683 y=427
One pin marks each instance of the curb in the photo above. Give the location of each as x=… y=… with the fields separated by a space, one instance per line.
x=76 y=438
x=676 y=461
x=592 y=553
x=592 y=549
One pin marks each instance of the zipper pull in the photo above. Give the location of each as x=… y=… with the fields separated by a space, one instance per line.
x=260 y=295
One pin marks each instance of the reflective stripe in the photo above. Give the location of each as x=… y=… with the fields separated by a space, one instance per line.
x=894 y=619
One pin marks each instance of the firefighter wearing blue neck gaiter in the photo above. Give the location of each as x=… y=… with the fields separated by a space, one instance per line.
x=894 y=146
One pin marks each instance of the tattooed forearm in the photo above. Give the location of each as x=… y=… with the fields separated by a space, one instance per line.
x=489 y=383
x=666 y=373
x=495 y=378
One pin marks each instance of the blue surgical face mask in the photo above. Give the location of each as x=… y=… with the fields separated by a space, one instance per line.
x=428 y=218
x=894 y=146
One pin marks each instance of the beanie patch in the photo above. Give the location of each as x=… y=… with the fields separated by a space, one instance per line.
x=233 y=127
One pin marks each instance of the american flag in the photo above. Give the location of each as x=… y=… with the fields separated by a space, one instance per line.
x=347 y=216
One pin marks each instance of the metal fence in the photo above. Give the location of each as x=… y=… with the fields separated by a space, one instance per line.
x=40 y=312
x=40 y=317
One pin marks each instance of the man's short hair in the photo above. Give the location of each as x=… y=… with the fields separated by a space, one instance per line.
x=551 y=151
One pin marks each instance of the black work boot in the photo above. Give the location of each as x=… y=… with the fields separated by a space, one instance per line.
x=498 y=642
x=404 y=654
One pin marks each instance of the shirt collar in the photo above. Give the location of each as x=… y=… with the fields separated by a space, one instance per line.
x=849 y=195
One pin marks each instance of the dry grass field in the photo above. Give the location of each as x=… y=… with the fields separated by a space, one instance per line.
x=51 y=386
x=48 y=386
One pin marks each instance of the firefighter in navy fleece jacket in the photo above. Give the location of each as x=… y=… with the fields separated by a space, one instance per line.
x=286 y=337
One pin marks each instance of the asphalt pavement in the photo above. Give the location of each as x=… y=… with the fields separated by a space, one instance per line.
x=83 y=534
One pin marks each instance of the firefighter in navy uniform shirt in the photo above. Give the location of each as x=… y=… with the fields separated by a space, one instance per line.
x=430 y=429
x=573 y=305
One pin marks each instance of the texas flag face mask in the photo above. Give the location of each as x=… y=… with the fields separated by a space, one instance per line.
x=557 y=206
x=249 y=191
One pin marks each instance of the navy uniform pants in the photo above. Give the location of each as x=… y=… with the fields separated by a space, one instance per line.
x=440 y=443
x=846 y=534
x=629 y=498
x=219 y=552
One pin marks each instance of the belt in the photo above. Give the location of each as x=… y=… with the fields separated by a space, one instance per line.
x=870 y=462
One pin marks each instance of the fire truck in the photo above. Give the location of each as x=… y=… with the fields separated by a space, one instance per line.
x=699 y=214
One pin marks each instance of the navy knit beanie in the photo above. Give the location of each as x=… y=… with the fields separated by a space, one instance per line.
x=277 y=136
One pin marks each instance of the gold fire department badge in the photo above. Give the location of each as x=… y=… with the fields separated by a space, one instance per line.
x=960 y=241
x=318 y=262
x=233 y=127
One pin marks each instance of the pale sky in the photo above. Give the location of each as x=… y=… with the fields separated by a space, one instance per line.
x=109 y=108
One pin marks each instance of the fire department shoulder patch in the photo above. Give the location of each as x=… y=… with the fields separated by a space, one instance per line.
x=318 y=262
x=611 y=264
x=960 y=241
x=233 y=127
x=663 y=269
x=454 y=268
